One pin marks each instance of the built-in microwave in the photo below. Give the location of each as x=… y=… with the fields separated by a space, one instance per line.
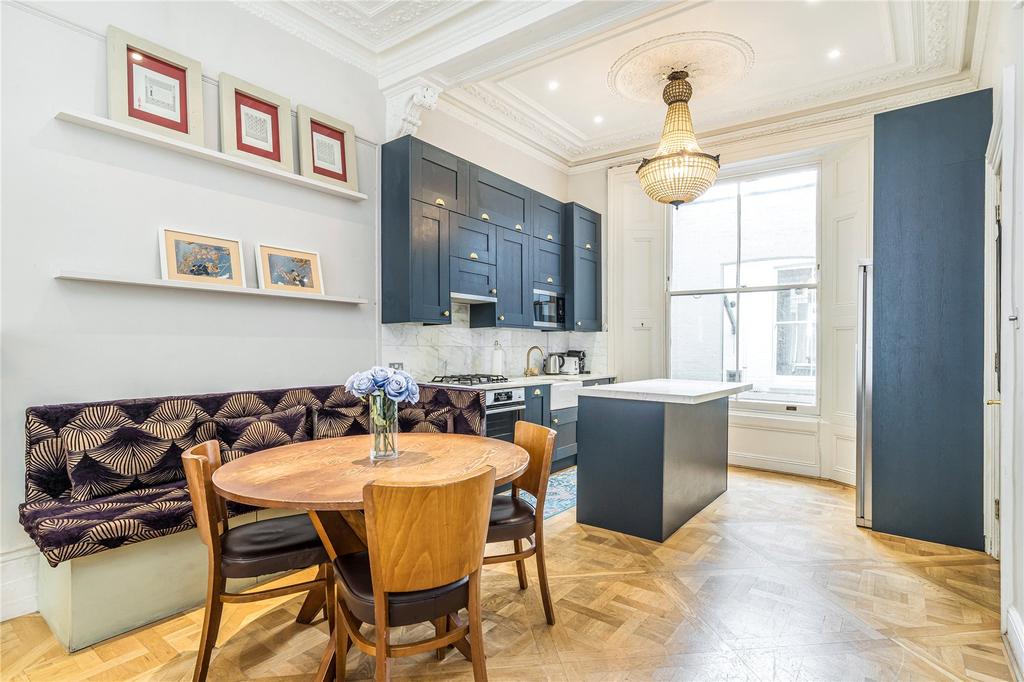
x=548 y=309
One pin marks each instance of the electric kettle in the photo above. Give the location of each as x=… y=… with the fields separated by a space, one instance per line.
x=553 y=363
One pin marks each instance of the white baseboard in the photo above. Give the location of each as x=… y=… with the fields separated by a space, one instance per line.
x=18 y=570
x=1015 y=641
x=773 y=464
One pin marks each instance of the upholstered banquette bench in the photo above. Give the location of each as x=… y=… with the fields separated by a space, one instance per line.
x=107 y=504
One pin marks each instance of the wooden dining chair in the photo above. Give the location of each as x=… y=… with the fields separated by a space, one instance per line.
x=250 y=550
x=425 y=547
x=514 y=519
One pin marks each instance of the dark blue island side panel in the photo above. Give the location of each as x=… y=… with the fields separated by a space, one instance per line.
x=929 y=235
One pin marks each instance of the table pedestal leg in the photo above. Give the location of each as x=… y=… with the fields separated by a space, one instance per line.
x=342 y=533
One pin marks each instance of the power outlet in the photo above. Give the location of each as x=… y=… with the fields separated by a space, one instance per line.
x=396 y=365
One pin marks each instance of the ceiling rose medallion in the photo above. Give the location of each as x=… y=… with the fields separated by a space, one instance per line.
x=680 y=171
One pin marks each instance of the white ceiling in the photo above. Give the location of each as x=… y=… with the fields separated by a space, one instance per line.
x=752 y=62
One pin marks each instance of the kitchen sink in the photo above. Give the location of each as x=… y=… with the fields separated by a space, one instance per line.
x=565 y=394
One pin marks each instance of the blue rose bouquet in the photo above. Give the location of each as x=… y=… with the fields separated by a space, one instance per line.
x=383 y=388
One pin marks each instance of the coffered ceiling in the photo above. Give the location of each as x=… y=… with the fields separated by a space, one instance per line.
x=575 y=81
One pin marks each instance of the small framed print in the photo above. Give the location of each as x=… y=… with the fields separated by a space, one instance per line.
x=289 y=270
x=200 y=258
x=255 y=124
x=152 y=87
x=327 y=149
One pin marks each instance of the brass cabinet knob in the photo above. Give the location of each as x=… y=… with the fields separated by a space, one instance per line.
x=537 y=391
x=446 y=313
x=519 y=228
x=551 y=237
x=554 y=420
x=473 y=256
x=587 y=246
x=484 y=216
x=494 y=291
x=551 y=280
x=439 y=201
x=501 y=317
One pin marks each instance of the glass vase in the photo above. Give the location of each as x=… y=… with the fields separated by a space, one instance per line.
x=383 y=427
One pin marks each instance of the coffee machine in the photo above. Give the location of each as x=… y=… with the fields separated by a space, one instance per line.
x=581 y=356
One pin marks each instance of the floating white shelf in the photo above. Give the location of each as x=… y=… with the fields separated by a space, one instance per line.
x=171 y=284
x=132 y=133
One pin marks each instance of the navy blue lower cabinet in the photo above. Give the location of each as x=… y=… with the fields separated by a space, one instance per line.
x=538 y=405
x=473 y=278
x=564 y=421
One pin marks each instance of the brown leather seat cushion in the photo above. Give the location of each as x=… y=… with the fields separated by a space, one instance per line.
x=287 y=543
x=404 y=608
x=511 y=519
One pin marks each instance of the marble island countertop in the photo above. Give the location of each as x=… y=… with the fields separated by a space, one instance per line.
x=514 y=382
x=684 y=391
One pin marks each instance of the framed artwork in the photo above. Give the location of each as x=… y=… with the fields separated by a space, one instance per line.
x=289 y=270
x=327 y=149
x=255 y=124
x=154 y=88
x=200 y=258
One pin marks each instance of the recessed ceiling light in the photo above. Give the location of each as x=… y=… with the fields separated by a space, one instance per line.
x=552 y=85
x=834 y=53
x=599 y=119
x=136 y=56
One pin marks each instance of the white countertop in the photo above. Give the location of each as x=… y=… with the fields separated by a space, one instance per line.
x=667 y=390
x=514 y=382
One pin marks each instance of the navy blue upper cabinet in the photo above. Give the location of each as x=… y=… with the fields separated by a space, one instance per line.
x=414 y=254
x=438 y=177
x=547 y=218
x=473 y=278
x=472 y=239
x=498 y=200
x=586 y=227
x=514 y=307
x=547 y=263
x=583 y=270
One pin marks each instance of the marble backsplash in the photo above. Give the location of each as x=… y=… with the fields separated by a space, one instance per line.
x=428 y=350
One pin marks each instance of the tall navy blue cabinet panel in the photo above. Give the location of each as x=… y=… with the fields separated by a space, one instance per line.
x=929 y=236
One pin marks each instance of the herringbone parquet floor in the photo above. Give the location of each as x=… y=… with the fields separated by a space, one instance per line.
x=771 y=582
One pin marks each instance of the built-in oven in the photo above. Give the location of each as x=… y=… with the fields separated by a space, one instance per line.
x=548 y=309
x=504 y=407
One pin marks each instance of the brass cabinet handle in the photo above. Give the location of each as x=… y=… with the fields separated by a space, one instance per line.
x=551 y=280
x=554 y=420
x=484 y=216
x=551 y=237
x=473 y=256
x=446 y=313
x=537 y=391
x=587 y=246
x=439 y=201
x=501 y=317
x=519 y=228
x=494 y=291
x=993 y=402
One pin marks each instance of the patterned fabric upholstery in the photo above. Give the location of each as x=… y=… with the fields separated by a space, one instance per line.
x=72 y=512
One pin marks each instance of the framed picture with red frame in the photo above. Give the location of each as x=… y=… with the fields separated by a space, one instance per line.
x=327 y=149
x=154 y=88
x=255 y=124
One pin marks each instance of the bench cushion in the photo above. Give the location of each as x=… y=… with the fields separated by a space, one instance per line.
x=241 y=435
x=64 y=529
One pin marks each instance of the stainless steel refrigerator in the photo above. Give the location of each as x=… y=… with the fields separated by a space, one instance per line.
x=865 y=271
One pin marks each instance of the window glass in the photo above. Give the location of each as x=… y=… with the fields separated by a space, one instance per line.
x=778 y=226
x=704 y=331
x=704 y=241
x=778 y=345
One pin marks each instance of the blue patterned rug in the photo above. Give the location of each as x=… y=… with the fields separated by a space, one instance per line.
x=561 y=493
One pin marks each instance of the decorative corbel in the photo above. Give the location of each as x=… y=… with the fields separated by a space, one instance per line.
x=405 y=104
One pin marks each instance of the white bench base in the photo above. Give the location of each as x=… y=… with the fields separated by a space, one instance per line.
x=92 y=598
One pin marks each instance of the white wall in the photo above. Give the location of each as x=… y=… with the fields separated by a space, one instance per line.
x=80 y=199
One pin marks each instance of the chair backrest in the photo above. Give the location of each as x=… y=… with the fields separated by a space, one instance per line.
x=539 y=441
x=425 y=535
x=209 y=508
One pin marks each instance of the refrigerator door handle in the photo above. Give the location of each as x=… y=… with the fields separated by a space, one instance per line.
x=863 y=351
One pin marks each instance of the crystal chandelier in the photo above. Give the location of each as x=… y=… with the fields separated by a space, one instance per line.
x=679 y=172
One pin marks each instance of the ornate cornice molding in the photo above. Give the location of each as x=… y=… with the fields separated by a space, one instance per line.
x=405 y=105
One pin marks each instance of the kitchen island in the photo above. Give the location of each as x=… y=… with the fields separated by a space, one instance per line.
x=652 y=453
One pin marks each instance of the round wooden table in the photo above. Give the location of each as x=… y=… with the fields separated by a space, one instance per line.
x=325 y=478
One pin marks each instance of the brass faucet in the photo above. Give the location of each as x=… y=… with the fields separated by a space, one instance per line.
x=531 y=371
